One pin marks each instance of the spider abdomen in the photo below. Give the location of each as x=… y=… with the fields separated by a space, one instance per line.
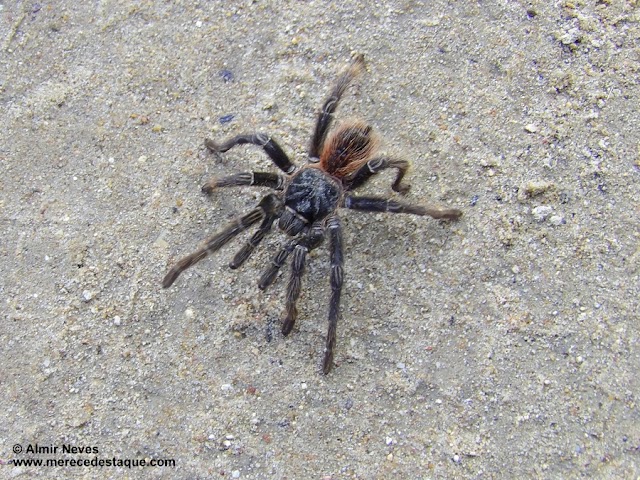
x=348 y=148
x=311 y=195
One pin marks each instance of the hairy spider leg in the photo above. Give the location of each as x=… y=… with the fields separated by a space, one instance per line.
x=380 y=204
x=269 y=275
x=375 y=165
x=270 y=146
x=337 y=275
x=274 y=181
x=330 y=105
x=265 y=227
x=266 y=207
x=312 y=239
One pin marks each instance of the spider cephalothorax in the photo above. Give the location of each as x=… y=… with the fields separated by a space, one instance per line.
x=307 y=200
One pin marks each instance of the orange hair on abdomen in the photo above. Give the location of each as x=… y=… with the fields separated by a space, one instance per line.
x=348 y=148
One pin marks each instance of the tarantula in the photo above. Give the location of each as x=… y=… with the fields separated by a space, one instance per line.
x=306 y=202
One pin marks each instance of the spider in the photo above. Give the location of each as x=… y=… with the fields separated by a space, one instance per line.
x=306 y=202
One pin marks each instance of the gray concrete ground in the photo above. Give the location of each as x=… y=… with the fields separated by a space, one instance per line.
x=505 y=345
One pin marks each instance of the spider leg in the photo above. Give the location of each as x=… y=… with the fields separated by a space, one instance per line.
x=269 y=145
x=254 y=241
x=311 y=240
x=270 y=273
x=331 y=103
x=379 y=204
x=375 y=165
x=337 y=275
x=266 y=206
x=245 y=179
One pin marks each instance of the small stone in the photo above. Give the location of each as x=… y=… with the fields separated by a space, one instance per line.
x=541 y=212
x=116 y=320
x=431 y=22
x=87 y=295
x=235 y=474
x=79 y=419
x=227 y=75
x=161 y=244
x=16 y=472
x=570 y=36
x=530 y=128
x=557 y=220
x=535 y=188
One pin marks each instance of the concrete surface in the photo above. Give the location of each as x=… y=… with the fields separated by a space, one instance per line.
x=505 y=345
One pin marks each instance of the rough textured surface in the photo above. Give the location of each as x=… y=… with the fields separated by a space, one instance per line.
x=505 y=345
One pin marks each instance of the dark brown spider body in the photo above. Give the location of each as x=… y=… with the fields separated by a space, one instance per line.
x=306 y=202
x=310 y=196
